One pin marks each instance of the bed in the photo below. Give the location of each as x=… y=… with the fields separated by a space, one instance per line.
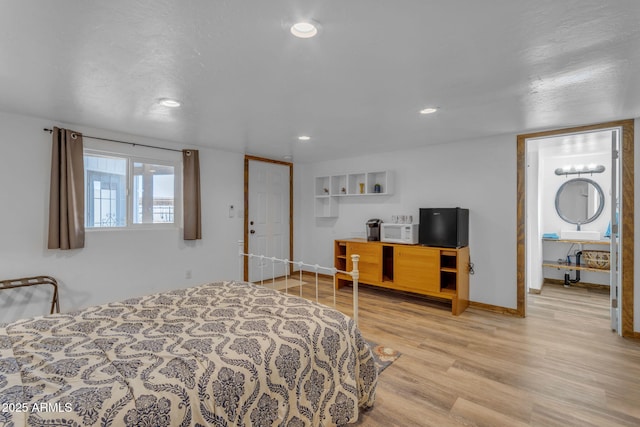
x=221 y=354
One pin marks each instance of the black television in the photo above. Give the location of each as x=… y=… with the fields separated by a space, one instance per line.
x=444 y=227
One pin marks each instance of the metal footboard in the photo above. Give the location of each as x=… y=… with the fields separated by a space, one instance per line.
x=313 y=268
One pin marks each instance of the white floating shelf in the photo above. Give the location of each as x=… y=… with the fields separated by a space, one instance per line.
x=328 y=189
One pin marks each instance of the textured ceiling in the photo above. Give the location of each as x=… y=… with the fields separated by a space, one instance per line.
x=247 y=85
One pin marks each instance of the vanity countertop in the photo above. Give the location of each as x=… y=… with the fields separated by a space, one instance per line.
x=584 y=242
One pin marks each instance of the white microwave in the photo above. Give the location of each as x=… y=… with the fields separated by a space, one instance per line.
x=399 y=233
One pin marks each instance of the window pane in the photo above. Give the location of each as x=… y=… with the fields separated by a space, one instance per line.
x=105 y=204
x=153 y=190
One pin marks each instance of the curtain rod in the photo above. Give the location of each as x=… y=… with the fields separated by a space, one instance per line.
x=122 y=142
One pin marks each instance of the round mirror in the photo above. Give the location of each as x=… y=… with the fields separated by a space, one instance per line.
x=579 y=201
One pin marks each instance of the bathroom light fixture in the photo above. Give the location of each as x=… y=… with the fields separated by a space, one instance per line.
x=304 y=138
x=579 y=169
x=304 y=29
x=168 y=102
x=429 y=110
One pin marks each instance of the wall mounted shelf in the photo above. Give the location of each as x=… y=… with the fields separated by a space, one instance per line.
x=584 y=242
x=563 y=265
x=328 y=189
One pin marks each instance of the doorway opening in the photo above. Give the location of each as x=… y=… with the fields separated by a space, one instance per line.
x=542 y=158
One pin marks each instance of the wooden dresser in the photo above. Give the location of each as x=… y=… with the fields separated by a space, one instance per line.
x=436 y=272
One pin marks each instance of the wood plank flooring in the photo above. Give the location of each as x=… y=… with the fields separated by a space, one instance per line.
x=559 y=366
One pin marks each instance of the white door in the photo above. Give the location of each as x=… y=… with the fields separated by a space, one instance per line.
x=614 y=252
x=268 y=218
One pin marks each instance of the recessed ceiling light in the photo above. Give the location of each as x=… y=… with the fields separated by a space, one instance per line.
x=168 y=102
x=304 y=138
x=428 y=110
x=288 y=157
x=304 y=30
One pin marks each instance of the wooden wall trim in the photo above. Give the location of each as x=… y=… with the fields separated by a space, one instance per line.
x=261 y=159
x=495 y=308
x=627 y=220
x=245 y=273
x=521 y=227
x=628 y=229
x=586 y=285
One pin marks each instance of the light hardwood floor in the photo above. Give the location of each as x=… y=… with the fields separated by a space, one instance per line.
x=559 y=366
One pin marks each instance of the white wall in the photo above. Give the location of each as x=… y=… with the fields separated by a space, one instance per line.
x=114 y=264
x=479 y=175
x=550 y=183
x=533 y=263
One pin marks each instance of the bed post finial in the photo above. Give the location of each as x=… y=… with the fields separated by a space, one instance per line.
x=355 y=274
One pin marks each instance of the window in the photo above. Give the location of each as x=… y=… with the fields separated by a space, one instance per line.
x=125 y=191
x=153 y=193
x=105 y=199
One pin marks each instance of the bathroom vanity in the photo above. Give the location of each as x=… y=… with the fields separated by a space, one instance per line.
x=578 y=201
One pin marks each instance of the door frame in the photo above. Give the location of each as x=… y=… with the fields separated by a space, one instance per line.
x=626 y=222
x=247 y=158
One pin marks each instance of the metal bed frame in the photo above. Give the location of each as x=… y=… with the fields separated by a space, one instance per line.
x=355 y=274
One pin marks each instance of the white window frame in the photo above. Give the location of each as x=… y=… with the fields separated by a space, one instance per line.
x=148 y=156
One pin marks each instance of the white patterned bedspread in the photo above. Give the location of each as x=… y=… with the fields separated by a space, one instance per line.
x=222 y=354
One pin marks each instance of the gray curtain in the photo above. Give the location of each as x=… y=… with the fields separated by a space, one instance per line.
x=66 y=196
x=191 y=194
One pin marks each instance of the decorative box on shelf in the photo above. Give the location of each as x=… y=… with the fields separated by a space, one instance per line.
x=596 y=259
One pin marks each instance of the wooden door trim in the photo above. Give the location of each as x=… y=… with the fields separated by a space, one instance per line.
x=626 y=222
x=246 y=206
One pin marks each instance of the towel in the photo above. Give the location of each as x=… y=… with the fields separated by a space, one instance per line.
x=608 y=232
x=550 y=236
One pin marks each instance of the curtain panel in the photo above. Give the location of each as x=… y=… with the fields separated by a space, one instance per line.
x=191 y=194
x=66 y=196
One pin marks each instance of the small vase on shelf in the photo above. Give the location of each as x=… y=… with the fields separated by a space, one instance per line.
x=361 y=188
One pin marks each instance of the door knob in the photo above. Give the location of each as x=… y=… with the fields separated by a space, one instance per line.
x=252 y=231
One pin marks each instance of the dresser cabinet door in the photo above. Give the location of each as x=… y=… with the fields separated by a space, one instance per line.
x=417 y=269
x=370 y=264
